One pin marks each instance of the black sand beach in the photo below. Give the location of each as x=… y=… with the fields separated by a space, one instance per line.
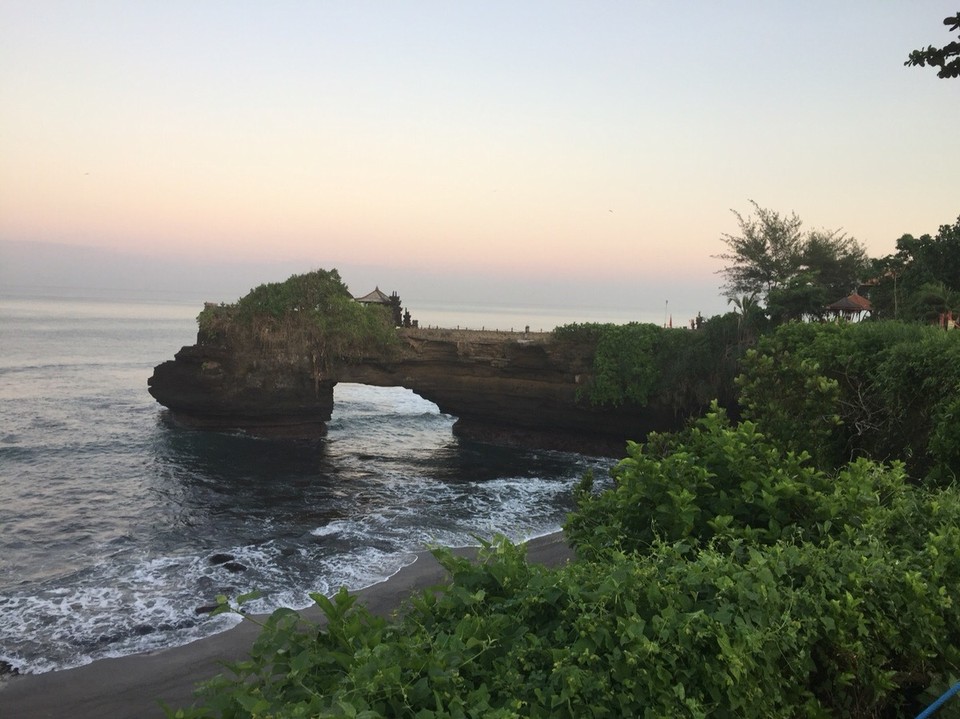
x=132 y=687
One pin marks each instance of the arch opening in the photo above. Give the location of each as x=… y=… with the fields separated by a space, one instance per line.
x=386 y=420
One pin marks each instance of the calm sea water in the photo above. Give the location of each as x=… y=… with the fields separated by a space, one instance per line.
x=116 y=525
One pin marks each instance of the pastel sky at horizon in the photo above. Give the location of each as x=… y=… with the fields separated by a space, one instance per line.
x=499 y=141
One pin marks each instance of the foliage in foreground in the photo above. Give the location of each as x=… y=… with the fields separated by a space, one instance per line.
x=884 y=390
x=720 y=577
x=792 y=630
x=717 y=481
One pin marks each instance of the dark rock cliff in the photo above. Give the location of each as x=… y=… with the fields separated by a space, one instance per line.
x=511 y=388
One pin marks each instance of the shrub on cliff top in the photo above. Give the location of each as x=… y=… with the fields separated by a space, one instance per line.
x=316 y=291
x=641 y=363
x=311 y=315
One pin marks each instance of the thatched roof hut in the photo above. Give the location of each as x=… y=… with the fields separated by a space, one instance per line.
x=850 y=307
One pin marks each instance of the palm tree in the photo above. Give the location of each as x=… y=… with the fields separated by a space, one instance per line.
x=749 y=315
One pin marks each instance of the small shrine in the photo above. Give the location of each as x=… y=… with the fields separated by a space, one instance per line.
x=378 y=297
x=851 y=307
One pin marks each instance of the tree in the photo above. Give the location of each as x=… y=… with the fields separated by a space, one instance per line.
x=800 y=298
x=936 y=258
x=764 y=255
x=919 y=263
x=932 y=300
x=750 y=317
x=795 y=273
x=947 y=58
x=834 y=260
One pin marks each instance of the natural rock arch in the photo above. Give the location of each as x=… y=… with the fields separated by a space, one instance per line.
x=505 y=387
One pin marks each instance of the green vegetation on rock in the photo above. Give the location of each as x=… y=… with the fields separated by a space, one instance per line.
x=311 y=316
x=639 y=363
x=625 y=360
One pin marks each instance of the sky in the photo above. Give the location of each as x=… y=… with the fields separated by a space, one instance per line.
x=557 y=153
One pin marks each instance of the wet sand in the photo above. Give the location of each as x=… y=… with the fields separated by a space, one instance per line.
x=132 y=687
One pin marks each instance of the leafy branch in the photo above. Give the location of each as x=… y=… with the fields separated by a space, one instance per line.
x=947 y=58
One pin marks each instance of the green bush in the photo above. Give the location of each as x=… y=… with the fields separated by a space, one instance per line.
x=874 y=559
x=718 y=481
x=624 y=362
x=790 y=629
x=697 y=367
x=310 y=317
x=885 y=390
x=641 y=364
x=793 y=401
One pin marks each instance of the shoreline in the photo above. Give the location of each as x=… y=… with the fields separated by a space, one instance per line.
x=133 y=686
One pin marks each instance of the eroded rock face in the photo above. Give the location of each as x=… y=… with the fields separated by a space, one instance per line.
x=513 y=388
x=212 y=387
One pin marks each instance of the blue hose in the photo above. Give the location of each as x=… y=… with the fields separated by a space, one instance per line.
x=928 y=712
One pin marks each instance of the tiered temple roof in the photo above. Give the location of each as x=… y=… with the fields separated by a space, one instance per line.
x=375 y=297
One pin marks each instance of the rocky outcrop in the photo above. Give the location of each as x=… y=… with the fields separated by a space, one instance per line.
x=515 y=388
x=213 y=387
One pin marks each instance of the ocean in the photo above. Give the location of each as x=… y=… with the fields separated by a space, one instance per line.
x=117 y=527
